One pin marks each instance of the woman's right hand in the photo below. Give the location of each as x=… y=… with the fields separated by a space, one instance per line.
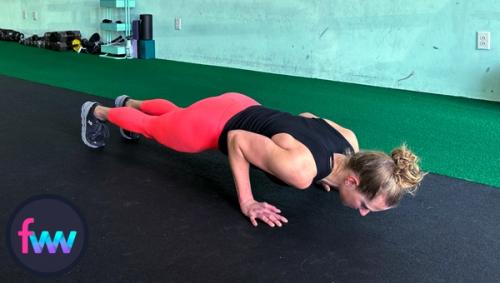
x=264 y=212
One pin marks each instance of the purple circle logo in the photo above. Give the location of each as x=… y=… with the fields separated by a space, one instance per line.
x=46 y=234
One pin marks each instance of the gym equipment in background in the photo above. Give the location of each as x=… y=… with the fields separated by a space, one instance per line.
x=146 y=27
x=61 y=40
x=11 y=35
x=123 y=27
x=146 y=42
x=76 y=45
x=93 y=44
x=135 y=38
x=34 y=40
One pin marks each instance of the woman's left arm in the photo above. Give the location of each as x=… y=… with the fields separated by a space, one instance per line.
x=284 y=163
x=245 y=148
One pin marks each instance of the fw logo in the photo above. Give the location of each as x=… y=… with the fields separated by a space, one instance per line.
x=44 y=239
x=47 y=234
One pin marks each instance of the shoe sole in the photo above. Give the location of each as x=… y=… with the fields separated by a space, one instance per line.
x=85 y=111
x=120 y=102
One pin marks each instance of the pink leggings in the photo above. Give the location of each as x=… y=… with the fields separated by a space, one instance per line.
x=192 y=129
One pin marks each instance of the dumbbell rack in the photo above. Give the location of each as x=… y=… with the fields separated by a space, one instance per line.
x=110 y=30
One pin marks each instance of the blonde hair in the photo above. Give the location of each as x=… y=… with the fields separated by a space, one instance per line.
x=395 y=175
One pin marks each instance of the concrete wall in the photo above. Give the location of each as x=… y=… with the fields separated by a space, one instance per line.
x=425 y=45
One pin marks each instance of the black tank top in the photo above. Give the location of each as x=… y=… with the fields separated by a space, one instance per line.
x=316 y=134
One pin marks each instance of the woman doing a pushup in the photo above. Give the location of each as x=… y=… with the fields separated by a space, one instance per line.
x=298 y=150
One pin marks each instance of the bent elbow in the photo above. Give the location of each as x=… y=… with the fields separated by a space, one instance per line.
x=302 y=183
x=302 y=178
x=233 y=140
x=231 y=136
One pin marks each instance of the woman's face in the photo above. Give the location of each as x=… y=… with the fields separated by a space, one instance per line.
x=351 y=197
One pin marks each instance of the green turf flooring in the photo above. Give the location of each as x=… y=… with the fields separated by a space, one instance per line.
x=456 y=137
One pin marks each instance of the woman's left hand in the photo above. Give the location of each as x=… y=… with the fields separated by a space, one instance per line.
x=263 y=211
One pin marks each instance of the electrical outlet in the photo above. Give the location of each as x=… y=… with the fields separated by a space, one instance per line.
x=24 y=15
x=484 y=40
x=35 y=16
x=178 y=23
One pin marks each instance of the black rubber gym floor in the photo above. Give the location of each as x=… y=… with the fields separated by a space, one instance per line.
x=155 y=215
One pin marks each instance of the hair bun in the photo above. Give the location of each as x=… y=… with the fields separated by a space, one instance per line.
x=407 y=172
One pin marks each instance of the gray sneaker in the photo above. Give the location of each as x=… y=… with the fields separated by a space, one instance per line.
x=94 y=131
x=120 y=102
